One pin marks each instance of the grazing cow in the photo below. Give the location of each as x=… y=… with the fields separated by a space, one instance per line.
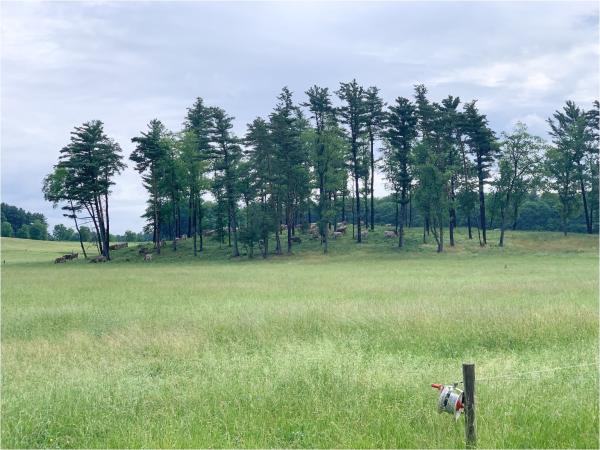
x=98 y=259
x=337 y=234
x=183 y=237
x=60 y=260
x=389 y=234
x=342 y=229
x=148 y=257
x=364 y=234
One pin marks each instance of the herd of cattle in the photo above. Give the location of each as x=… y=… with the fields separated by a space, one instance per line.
x=313 y=231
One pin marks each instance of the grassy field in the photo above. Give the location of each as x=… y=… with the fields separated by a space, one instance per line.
x=301 y=351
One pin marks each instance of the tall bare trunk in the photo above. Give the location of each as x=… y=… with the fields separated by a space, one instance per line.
x=372 y=185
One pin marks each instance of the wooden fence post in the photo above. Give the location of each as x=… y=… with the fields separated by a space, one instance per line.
x=469 y=403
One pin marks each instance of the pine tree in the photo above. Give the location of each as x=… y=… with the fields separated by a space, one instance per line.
x=400 y=134
x=374 y=118
x=353 y=115
x=150 y=156
x=226 y=156
x=482 y=145
x=90 y=161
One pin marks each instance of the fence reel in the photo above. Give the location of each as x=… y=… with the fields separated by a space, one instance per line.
x=451 y=399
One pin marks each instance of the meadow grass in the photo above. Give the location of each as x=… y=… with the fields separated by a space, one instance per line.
x=308 y=350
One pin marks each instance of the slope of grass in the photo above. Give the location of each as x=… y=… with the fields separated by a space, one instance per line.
x=308 y=350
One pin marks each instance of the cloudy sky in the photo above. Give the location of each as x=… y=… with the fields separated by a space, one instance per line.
x=126 y=63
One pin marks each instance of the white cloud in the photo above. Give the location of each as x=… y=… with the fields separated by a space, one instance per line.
x=128 y=62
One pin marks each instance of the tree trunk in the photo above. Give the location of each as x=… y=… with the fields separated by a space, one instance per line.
x=372 y=185
x=357 y=215
x=155 y=215
x=107 y=227
x=233 y=229
x=481 y=200
x=366 y=201
x=397 y=216
x=194 y=224
x=288 y=223
x=469 y=227
x=588 y=222
x=410 y=210
x=452 y=213
x=77 y=228
x=190 y=213
x=400 y=223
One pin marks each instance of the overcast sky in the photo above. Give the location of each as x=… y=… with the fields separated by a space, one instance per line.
x=126 y=63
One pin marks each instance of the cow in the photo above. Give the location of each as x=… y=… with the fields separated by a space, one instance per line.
x=60 y=260
x=364 y=234
x=389 y=234
x=337 y=234
x=74 y=255
x=342 y=229
x=209 y=232
x=98 y=259
x=67 y=257
x=183 y=237
x=148 y=257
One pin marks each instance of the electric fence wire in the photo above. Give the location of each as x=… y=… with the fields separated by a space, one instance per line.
x=519 y=375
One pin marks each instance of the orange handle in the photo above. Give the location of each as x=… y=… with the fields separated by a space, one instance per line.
x=437 y=386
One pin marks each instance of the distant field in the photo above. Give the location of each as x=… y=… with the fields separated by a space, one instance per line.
x=301 y=351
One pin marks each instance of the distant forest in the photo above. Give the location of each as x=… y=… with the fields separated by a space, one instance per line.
x=308 y=166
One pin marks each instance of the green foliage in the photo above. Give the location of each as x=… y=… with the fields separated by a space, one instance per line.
x=7 y=229
x=17 y=217
x=62 y=233
x=23 y=232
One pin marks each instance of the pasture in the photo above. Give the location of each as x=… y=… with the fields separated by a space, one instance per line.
x=308 y=350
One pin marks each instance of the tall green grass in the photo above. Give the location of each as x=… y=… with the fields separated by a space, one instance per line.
x=301 y=351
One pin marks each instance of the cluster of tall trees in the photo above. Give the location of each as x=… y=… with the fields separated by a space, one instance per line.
x=314 y=163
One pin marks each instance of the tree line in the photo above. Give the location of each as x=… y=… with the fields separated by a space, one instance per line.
x=311 y=165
